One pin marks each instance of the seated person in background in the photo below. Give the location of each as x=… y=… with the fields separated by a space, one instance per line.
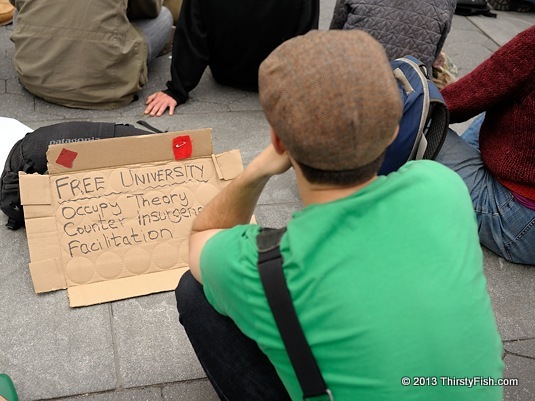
x=232 y=37
x=513 y=5
x=385 y=273
x=87 y=54
x=404 y=27
x=496 y=155
x=174 y=6
x=6 y=12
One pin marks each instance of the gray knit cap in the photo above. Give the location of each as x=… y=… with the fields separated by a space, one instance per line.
x=331 y=97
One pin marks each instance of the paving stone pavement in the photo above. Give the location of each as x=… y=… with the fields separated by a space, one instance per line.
x=136 y=349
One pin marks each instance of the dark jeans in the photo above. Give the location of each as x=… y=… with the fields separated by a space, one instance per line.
x=233 y=363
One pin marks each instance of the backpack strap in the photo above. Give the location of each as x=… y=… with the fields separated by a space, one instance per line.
x=29 y=167
x=13 y=224
x=147 y=125
x=280 y=302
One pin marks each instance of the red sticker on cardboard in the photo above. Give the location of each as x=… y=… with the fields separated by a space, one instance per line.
x=182 y=147
x=66 y=158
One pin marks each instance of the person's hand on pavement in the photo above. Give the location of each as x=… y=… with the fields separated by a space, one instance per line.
x=158 y=102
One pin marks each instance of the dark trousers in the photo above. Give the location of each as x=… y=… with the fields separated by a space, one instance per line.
x=236 y=367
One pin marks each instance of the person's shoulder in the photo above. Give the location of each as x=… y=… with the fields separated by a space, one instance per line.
x=231 y=236
x=424 y=167
x=432 y=174
x=435 y=187
x=229 y=248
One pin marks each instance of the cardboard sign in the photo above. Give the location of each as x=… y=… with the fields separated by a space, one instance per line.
x=112 y=218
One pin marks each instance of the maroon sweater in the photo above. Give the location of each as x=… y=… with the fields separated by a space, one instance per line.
x=504 y=87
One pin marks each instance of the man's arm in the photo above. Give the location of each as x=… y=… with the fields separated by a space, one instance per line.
x=497 y=79
x=190 y=58
x=235 y=204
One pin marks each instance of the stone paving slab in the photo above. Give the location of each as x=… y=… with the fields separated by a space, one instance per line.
x=524 y=348
x=276 y=216
x=512 y=291
x=152 y=346
x=199 y=390
x=507 y=22
x=522 y=369
x=49 y=349
x=142 y=394
x=467 y=46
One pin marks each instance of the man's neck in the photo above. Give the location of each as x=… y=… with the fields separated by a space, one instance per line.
x=318 y=193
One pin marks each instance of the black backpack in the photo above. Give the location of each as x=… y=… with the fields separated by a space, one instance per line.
x=29 y=155
x=473 y=7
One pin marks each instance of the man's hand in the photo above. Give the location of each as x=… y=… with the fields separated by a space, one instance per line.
x=269 y=163
x=158 y=102
x=234 y=204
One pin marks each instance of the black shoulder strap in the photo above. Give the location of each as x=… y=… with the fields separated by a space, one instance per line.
x=147 y=125
x=280 y=302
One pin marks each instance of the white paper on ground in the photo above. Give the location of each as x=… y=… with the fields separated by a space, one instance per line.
x=11 y=131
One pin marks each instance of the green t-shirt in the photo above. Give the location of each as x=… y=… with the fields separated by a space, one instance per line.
x=387 y=284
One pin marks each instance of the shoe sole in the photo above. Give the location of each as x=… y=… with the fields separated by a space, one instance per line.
x=9 y=21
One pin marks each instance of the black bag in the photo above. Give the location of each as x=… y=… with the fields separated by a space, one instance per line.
x=29 y=155
x=473 y=7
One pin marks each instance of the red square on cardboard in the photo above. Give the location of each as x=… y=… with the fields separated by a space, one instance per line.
x=182 y=147
x=66 y=158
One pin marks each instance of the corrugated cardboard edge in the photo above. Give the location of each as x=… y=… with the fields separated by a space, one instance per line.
x=128 y=287
x=144 y=147
x=228 y=165
x=41 y=231
x=47 y=275
x=38 y=193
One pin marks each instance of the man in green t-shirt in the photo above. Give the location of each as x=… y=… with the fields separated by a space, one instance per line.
x=385 y=273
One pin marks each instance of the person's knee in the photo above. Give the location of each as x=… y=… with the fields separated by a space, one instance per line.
x=186 y=292
x=166 y=16
x=174 y=7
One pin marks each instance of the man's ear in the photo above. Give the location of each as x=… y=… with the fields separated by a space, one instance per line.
x=276 y=141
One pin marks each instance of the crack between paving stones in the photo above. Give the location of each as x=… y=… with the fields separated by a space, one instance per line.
x=507 y=352
x=115 y=351
x=486 y=35
x=518 y=340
